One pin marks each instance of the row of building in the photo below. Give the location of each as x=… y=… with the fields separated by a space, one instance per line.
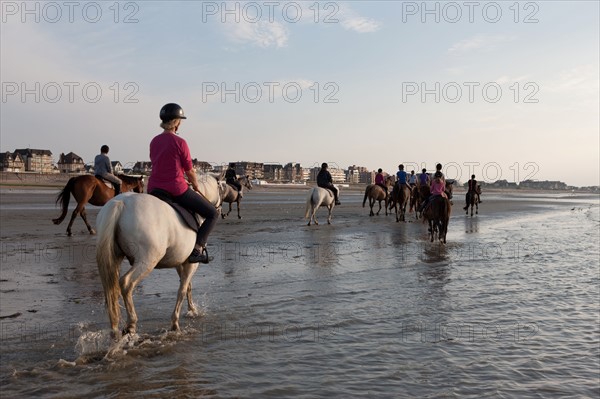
x=41 y=161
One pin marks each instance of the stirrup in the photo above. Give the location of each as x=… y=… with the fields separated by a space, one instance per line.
x=198 y=256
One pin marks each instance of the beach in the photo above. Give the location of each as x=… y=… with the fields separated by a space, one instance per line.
x=364 y=306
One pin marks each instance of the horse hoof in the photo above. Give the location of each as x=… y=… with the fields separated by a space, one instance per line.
x=239 y=217
x=69 y=234
x=129 y=330
x=92 y=232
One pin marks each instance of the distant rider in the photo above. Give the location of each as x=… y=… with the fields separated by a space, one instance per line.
x=471 y=190
x=401 y=176
x=380 y=180
x=103 y=168
x=232 y=179
x=324 y=180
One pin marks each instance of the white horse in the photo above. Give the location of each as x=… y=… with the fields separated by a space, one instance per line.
x=150 y=234
x=210 y=188
x=317 y=197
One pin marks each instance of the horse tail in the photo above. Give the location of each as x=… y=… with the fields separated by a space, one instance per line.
x=63 y=197
x=308 y=204
x=108 y=262
x=366 y=195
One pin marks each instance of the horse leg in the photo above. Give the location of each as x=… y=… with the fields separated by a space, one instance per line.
x=371 y=205
x=128 y=282
x=185 y=289
x=330 y=208
x=379 y=210
x=192 y=311
x=83 y=215
x=431 y=229
x=80 y=206
x=238 y=208
x=477 y=207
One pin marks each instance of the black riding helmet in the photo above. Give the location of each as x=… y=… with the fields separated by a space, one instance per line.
x=171 y=111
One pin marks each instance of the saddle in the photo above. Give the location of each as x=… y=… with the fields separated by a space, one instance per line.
x=191 y=219
x=107 y=183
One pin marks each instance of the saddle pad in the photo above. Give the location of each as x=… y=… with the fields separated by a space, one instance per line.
x=104 y=181
x=190 y=219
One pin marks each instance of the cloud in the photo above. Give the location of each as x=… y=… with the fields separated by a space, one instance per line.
x=479 y=42
x=350 y=20
x=262 y=33
x=583 y=78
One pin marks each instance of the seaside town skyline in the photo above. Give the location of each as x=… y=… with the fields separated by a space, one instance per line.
x=30 y=160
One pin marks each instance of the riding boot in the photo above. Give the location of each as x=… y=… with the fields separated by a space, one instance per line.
x=337 y=201
x=199 y=255
x=117 y=189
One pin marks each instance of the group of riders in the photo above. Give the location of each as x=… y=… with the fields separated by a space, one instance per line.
x=436 y=185
x=172 y=163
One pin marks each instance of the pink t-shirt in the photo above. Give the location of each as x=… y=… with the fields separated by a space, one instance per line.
x=170 y=157
x=379 y=179
x=438 y=186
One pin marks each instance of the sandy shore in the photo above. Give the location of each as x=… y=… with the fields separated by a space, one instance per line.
x=45 y=272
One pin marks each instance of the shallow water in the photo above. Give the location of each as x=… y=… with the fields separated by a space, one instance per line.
x=362 y=307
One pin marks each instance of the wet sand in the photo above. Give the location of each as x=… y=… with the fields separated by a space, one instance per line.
x=43 y=270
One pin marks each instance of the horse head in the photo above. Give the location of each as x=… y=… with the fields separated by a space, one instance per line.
x=139 y=188
x=246 y=182
x=450 y=187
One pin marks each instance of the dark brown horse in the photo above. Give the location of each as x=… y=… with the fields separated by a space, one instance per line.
x=417 y=196
x=473 y=200
x=437 y=213
x=88 y=188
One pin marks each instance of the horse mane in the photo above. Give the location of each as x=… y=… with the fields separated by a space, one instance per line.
x=130 y=179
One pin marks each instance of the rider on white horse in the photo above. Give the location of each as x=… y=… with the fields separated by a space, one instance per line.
x=171 y=159
x=324 y=180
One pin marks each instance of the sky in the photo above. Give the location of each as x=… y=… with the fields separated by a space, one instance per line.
x=503 y=90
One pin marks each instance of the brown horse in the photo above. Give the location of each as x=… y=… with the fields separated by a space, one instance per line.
x=88 y=188
x=473 y=199
x=417 y=196
x=437 y=213
x=231 y=194
x=400 y=198
x=375 y=192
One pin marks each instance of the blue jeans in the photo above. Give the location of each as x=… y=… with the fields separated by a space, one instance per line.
x=197 y=203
